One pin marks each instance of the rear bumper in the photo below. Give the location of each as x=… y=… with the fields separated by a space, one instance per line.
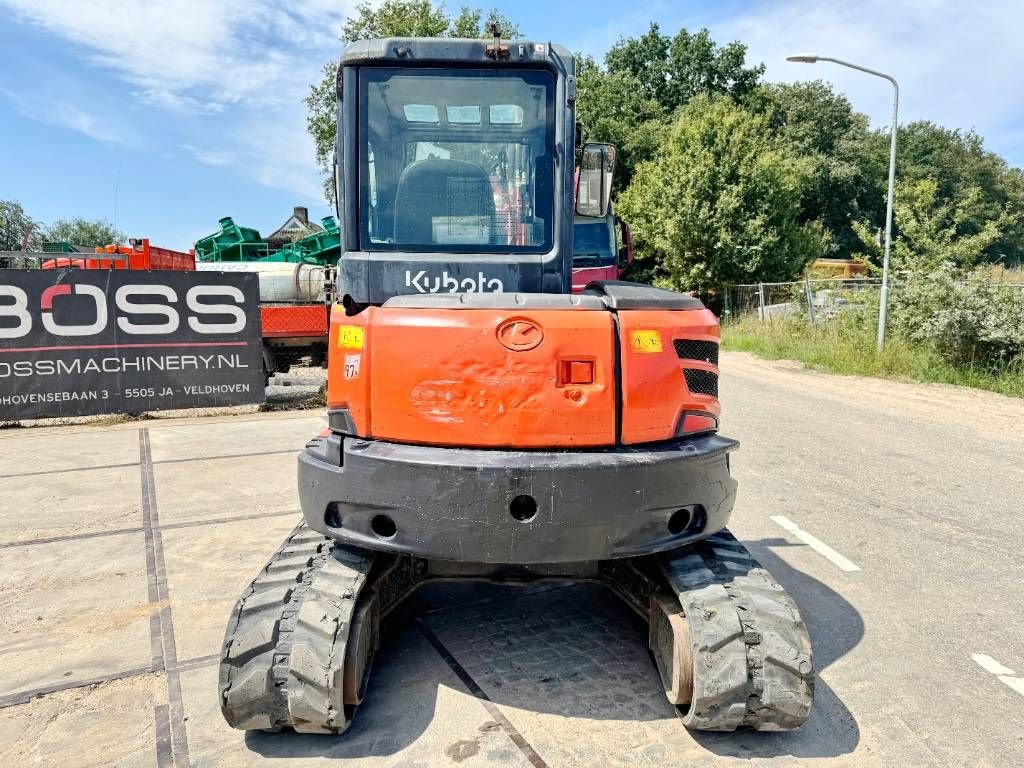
x=457 y=504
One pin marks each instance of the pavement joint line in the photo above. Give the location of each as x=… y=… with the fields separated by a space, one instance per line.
x=492 y=709
x=1004 y=674
x=165 y=622
x=69 y=469
x=816 y=544
x=200 y=661
x=149 y=536
x=157 y=422
x=291 y=451
x=24 y=697
x=162 y=730
x=141 y=529
x=220 y=520
x=135 y=463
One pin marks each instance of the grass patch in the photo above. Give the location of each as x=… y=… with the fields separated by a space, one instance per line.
x=849 y=348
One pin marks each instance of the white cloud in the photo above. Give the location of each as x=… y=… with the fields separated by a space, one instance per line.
x=276 y=153
x=958 y=64
x=208 y=156
x=236 y=69
x=65 y=113
x=207 y=50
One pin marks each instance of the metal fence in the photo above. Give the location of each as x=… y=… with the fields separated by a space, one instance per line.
x=813 y=299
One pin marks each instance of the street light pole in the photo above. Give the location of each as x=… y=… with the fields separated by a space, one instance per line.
x=813 y=58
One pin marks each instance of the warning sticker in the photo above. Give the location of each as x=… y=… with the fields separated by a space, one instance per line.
x=352 y=366
x=645 y=341
x=351 y=336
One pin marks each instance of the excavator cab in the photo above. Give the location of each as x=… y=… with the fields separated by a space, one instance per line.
x=455 y=168
x=484 y=421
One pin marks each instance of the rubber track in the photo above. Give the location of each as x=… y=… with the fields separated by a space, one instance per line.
x=751 y=651
x=284 y=649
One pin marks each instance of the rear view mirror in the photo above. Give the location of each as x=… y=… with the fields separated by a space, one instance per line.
x=594 y=186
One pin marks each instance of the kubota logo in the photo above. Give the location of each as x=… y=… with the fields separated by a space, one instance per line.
x=519 y=334
x=423 y=283
x=129 y=306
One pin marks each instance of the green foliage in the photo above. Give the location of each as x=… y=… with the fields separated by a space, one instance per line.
x=930 y=230
x=16 y=227
x=673 y=70
x=392 y=18
x=969 y=319
x=976 y=182
x=721 y=201
x=79 y=231
x=396 y=18
x=630 y=101
x=847 y=166
x=613 y=108
x=322 y=124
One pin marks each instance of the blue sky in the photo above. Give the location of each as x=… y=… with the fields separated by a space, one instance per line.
x=165 y=116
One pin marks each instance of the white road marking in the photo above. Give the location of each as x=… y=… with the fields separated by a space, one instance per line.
x=1016 y=683
x=1005 y=674
x=815 y=543
x=990 y=665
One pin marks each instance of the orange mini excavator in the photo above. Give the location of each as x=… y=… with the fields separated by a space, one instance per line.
x=486 y=422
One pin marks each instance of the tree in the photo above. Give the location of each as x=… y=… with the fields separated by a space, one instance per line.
x=16 y=227
x=963 y=169
x=630 y=101
x=392 y=18
x=847 y=163
x=931 y=231
x=613 y=108
x=79 y=231
x=720 y=203
x=672 y=70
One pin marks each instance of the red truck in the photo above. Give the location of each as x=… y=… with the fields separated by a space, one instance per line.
x=602 y=249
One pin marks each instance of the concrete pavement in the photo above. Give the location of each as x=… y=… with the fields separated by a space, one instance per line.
x=122 y=549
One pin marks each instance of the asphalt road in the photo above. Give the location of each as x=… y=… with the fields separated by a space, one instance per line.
x=891 y=511
x=920 y=487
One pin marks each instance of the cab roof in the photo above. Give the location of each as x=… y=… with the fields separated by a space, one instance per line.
x=444 y=50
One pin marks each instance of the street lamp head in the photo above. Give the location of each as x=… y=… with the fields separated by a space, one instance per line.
x=804 y=58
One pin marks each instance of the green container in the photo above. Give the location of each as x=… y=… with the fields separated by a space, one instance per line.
x=320 y=248
x=323 y=248
x=232 y=243
x=59 y=246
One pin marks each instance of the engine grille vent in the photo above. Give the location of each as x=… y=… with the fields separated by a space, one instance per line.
x=701 y=382
x=692 y=349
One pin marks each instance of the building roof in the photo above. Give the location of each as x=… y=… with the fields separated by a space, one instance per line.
x=295 y=226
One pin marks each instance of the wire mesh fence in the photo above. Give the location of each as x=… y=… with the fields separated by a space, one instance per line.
x=814 y=300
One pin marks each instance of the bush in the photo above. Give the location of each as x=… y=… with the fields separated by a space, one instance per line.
x=967 y=318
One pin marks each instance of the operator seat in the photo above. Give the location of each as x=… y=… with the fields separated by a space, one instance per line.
x=443 y=189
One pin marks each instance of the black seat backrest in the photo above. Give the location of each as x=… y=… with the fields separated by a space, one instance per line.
x=433 y=188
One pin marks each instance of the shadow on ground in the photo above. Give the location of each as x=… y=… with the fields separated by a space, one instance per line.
x=572 y=650
x=836 y=627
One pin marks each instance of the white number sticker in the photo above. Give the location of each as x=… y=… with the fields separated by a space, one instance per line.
x=352 y=366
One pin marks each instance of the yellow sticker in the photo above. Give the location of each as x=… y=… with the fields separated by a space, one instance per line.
x=645 y=341
x=351 y=336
